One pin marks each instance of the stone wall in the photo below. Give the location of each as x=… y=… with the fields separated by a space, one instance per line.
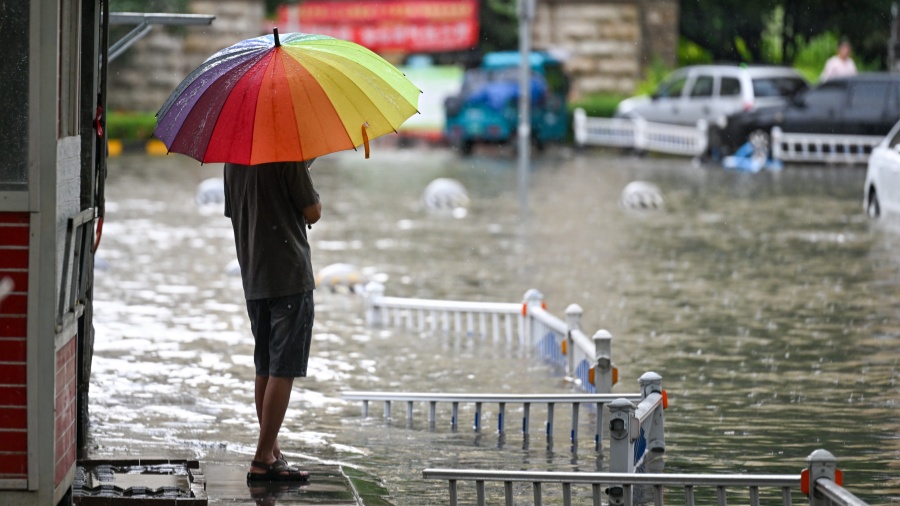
x=142 y=78
x=608 y=43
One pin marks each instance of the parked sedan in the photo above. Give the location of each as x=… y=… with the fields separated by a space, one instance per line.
x=711 y=92
x=882 y=188
x=867 y=104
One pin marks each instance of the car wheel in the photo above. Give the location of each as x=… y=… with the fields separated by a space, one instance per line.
x=873 y=209
x=761 y=142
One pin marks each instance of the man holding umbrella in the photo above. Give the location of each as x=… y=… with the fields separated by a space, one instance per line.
x=270 y=207
x=267 y=107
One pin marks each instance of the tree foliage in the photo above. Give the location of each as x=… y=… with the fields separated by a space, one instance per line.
x=738 y=30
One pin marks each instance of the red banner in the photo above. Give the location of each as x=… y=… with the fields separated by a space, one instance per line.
x=388 y=25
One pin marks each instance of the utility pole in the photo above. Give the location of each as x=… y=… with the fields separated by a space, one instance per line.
x=526 y=16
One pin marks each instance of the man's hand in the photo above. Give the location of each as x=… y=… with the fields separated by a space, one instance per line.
x=312 y=213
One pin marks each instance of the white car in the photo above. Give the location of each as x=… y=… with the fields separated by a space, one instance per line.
x=713 y=92
x=882 y=189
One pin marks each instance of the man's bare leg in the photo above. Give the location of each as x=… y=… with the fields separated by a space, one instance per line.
x=272 y=395
x=260 y=395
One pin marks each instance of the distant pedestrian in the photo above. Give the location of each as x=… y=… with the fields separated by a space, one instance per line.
x=270 y=206
x=839 y=65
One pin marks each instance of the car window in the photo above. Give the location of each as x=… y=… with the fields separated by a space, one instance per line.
x=730 y=87
x=868 y=95
x=826 y=95
x=672 y=88
x=777 y=86
x=703 y=87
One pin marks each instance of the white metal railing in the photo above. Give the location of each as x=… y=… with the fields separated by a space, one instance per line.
x=818 y=481
x=636 y=432
x=828 y=148
x=502 y=400
x=528 y=323
x=640 y=134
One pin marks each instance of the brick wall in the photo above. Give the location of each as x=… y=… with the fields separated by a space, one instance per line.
x=14 y=235
x=65 y=410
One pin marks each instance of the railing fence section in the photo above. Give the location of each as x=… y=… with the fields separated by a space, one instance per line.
x=640 y=134
x=819 y=148
x=560 y=342
x=819 y=482
x=637 y=437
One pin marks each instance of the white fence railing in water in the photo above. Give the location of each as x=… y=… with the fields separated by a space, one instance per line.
x=822 y=148
x=636 y=432
x=563 y=343
x=820 y=482
x=640 y=134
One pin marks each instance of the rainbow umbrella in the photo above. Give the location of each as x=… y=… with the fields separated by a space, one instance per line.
x=291 y=98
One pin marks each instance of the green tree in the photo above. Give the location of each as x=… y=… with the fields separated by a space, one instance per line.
x=737 y=30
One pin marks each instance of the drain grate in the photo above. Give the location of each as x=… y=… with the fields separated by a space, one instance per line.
x=156 y=481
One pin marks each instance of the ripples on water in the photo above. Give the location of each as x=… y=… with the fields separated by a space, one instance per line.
x=767 y=302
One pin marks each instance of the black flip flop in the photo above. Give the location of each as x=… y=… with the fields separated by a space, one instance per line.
x=276 y=471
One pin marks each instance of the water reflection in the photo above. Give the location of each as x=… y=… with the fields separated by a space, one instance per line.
x=767 y=302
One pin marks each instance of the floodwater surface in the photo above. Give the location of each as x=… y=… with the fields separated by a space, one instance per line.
x=769 y=304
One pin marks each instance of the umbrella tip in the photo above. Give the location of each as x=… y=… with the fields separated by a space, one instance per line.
x=277 y=40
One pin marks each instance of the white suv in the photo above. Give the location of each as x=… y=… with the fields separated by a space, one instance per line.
x=712 y=92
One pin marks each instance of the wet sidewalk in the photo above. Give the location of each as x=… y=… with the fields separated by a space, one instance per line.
x=328 y=485
x=165 y=482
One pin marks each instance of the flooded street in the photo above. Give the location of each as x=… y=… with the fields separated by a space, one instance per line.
x=769 y=304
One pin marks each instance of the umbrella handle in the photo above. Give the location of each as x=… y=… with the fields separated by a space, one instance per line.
x=365 y=137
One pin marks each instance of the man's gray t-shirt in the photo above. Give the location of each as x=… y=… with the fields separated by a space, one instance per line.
x=265 y=203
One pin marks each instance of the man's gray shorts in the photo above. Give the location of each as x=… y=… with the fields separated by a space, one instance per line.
x=282 y=328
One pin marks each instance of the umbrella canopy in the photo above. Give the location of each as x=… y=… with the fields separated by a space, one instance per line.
x=288 y=98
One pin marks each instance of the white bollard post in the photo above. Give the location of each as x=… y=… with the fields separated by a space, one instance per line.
x=374 y=291
x=603 y=370
x=573 y=322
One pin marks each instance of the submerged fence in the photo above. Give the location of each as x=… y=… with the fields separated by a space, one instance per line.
x=820 y=482
x=827 y=148
x=528 y=323
x=640 y=134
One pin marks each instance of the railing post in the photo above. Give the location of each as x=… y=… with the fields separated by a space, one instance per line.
x=580 y=127
x=820 y=464
x=703 y=140
x=621 y=444
x=775 y=140
x=374 y=291
x=573 y=322
x=640 y=134
x=603 y=376
x=651 y=383
x=622 y=428
x=532 y=298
